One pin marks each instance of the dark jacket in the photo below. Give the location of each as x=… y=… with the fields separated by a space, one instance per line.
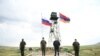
x=43 y=44
x=56 y=44
x=22 y=45
x=76 y=45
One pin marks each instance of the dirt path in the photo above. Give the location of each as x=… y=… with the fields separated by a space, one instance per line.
x=48 y=54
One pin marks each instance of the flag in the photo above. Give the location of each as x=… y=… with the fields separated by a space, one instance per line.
x=64 y=18
x=46 y=22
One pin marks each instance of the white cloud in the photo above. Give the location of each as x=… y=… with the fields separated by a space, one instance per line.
x=84 y=24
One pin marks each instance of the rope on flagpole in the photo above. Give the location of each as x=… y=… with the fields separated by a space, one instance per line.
x=41 y=25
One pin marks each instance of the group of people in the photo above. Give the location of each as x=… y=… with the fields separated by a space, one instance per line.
x=56 y=44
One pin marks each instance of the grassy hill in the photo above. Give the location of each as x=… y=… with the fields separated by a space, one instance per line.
x=8 y=51
x=89 y=50
x=97 y=44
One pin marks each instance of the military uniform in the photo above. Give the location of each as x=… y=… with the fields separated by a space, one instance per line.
x=56 y=44
x=43 y=46
x=76 y=47
x=22 y=47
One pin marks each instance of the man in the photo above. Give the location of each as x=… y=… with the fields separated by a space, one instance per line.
x=56 y=45
x=22 y=47
x=76 y=47
x=43 y=46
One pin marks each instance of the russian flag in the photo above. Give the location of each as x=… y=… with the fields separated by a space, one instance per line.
x=46 y=22
x=64 y=18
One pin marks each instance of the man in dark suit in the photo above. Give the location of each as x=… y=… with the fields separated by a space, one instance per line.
x=76 y=47
x=22 y=47
x=43 y=46
x=56 y=45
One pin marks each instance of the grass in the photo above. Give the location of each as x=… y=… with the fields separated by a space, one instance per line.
x=91 y=50
x=11 y=51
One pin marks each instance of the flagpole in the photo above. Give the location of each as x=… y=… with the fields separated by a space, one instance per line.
x=41 y=25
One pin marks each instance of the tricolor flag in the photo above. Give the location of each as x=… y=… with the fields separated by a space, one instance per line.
x=46 y=22
x=64 y=18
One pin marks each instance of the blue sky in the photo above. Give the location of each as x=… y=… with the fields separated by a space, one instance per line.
x=22 y=19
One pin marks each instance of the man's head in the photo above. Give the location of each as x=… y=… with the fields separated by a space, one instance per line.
x=43 y=38
x=75 y=40
x=22 y=39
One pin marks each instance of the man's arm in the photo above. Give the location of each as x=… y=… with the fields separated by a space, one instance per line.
x=25 y=43
x=45 y=42
x=59 y=43
x=20 y=45
x=41 y=43
x=73 y=43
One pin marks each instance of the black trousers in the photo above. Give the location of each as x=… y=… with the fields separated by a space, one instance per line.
x=56 y=51
x=22 y=52
x=43 y=52
x=76 y=52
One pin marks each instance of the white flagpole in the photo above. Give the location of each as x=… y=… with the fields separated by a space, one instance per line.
x=41 y=25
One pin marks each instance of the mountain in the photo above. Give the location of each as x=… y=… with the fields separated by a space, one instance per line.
x=98 y=44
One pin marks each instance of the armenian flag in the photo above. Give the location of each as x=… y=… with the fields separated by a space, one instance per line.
x=64 y=18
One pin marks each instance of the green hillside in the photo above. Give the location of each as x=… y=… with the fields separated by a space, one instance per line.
x=90 y=50
x=10 y=51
